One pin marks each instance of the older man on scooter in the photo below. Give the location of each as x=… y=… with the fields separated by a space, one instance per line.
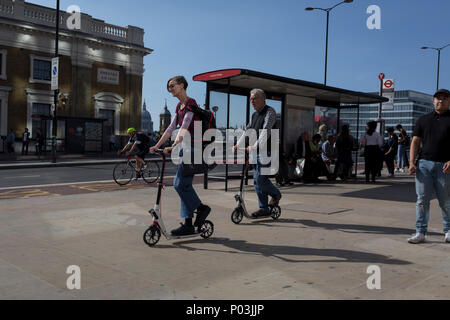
x=264 y=117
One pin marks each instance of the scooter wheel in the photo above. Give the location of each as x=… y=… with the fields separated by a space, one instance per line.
x=237 y=216
x=207 y=229
x=275 y=212
x=152 y=235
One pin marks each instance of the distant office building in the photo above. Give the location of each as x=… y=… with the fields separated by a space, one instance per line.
x=147 y=123
x=408 y=106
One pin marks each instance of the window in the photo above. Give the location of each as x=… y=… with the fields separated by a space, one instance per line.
x=39 y=109
x=3 y=54
x=40 y=69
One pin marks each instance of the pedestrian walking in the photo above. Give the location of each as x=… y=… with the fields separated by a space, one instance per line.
x=25 y=141
x=432 y=167
x=39 y=141
x=344 y=148
x=282 y=176
x=403 y=144
x=10 y=139
x=112 y=143
x=372 y=142
x=390 y=150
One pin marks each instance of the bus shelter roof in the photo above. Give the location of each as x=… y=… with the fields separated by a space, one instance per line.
x=325 y=96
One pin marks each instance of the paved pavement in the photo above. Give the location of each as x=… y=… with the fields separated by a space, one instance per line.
x=327 y=237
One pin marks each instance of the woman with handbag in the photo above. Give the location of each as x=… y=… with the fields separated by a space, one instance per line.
x=184 y=118
x=344 y=147
x=372 y=142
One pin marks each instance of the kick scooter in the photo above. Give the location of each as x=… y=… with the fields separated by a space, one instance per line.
x=241 y=210
x=153 y=233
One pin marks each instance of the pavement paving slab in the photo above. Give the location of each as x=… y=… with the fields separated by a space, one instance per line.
x=320 y=248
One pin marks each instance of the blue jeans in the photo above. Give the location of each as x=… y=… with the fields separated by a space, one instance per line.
x=430 y=176
x=263 y=186
x=401 y=156
x=189 y=198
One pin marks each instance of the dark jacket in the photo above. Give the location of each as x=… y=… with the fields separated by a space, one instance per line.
x=299 y=150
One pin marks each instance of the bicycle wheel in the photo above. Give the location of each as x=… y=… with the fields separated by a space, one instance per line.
x=123 y=173
x=151 y=173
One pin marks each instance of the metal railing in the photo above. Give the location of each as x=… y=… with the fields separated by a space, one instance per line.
x=28 y=12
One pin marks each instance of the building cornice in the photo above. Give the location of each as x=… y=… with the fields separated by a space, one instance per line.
x=83 y=50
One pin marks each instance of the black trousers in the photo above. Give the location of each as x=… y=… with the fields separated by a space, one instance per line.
x=389 y=159
x=372 y=155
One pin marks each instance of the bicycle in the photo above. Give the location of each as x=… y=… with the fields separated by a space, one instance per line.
x=124 y=172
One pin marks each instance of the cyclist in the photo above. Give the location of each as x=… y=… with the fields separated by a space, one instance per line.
x=139 y=141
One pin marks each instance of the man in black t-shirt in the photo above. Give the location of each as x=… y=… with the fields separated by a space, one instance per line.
x=432 y=168
x=138 y=141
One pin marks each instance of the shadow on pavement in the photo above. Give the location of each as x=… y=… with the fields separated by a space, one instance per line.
x=347 y=228
x=279 y=252
x=404 y=191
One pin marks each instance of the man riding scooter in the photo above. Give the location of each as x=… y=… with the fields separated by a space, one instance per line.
x=264 y=117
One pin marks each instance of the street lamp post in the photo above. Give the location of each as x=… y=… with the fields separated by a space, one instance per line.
x=328 y=20
x=439 y=61
x=54 y=122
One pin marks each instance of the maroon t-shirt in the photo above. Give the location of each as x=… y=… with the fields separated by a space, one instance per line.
x=180 y=114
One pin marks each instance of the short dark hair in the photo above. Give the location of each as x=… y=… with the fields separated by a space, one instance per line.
x=317 y=136
x=390 y=129
x=399 y=126
x=178 y=80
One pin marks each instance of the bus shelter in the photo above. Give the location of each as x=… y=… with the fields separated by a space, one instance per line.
x=228 y=96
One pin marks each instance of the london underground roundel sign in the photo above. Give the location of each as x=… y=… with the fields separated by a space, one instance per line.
x=388 y=84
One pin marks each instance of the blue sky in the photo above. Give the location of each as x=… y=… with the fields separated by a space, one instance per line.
x=281 y=38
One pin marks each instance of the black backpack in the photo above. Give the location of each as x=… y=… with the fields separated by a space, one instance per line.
x=208 y=122
x=144 y=138
x=207 y=118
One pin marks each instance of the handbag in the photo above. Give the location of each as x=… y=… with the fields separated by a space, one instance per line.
x=362 y=151
x=300 y=168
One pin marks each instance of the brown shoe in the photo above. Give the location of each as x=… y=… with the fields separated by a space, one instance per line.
x=274 y=201
x=261 y=213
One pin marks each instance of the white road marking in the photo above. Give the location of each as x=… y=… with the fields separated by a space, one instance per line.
x=16 y=177
x=75 y=183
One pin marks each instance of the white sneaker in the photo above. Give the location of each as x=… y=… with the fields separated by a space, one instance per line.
x=402 y=170
x=417 y=238
x=447 y=237
x=396 y=170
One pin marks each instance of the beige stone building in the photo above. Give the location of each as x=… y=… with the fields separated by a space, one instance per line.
x=100 y=76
